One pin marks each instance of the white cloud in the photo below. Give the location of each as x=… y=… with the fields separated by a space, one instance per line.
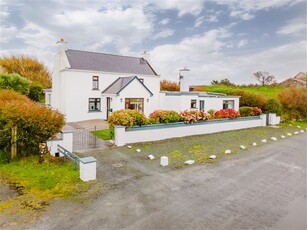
x=163 y=34
x=193 y=7
x=164 y=21
x=199 y=21
x=293 y=27
x=245 y=9
x=242 y=43
x=205 y=57
x=7 y=33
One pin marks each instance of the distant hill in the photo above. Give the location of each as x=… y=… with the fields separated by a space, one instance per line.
x=299 y=81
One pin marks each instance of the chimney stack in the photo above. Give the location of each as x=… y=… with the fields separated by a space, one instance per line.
x=61 y=44
x=184 y=79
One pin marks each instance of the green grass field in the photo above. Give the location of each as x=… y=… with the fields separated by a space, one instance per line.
x=104 y=134
x=268 y=91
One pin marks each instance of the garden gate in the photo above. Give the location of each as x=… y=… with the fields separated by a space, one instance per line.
x=84 y=139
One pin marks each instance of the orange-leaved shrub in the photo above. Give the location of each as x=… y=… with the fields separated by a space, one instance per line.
x=35 y=123
x=247 y=111
x=169 y=86
x=294 y=103
x=250 y=99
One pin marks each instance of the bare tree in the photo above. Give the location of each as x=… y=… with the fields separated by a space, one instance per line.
x=264 y=78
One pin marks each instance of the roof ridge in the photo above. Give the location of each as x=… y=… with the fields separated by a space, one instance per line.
x=118 y=55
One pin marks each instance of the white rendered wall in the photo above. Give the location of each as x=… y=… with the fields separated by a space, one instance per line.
x=66 y=142
x=154 y=133
x=183 y=102
x=76 y=89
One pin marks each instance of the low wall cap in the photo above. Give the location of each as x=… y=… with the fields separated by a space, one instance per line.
x=86 y=160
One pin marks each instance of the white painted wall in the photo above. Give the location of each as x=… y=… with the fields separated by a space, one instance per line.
x=161 y=132
x=183 y=102
x=65 y=141
x=74 y=88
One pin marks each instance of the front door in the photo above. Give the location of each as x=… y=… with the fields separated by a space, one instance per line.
x=201 y=105
x=108 y=106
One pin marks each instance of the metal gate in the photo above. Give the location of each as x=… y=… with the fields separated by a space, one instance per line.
x=84 y=139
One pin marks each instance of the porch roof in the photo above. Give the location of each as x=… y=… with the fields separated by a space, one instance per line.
x=122 y=82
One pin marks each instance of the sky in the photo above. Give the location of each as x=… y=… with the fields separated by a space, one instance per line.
x=215 y=39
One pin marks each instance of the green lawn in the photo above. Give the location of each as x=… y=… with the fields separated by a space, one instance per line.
x=268 y=91
x=104 y=134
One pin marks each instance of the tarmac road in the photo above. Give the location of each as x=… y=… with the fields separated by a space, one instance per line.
x=262 y=188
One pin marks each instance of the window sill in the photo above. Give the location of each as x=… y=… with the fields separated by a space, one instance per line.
x=94 y=111
x=96 y=89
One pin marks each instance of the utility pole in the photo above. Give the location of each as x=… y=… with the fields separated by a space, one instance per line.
x=14 y=142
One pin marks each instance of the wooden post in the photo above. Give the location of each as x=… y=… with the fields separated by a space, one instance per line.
x=14 y=143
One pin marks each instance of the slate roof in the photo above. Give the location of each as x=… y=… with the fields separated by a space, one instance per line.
x=120 y=83
x=85 y=60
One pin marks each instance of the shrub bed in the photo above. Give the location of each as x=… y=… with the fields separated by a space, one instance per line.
x=164 y=116
x=226 y=113
x=190 y=116
x=247 y=111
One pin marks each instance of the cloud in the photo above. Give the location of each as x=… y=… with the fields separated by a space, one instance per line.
x=242 y=43
x=163 y=34
x=245 y=9
x=206 y=57
x=199 y=21
x=164 y=21
x=293 y=27
x=193 y=7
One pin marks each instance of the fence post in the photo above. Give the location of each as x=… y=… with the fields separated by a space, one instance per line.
x=14 y=142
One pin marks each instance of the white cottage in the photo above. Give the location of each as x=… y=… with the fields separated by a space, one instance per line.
x=90 y=85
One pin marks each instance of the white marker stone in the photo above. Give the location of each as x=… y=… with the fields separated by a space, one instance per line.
x=302 y=131
x=189 y=162
x=296 y=133
x=263 y=141
x=274 y=138
x=282 y=136
x=298 y=126
x=289 y=134
x=138 y=150
x=129 y=146
x=164 y=161
x=227 y=151
x=254 y=144
x=212 y=157
x=242 y=147
x=151 y=157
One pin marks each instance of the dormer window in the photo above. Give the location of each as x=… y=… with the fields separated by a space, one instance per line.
x=95 y=82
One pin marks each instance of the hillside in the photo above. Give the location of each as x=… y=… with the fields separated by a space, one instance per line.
x=267 y=91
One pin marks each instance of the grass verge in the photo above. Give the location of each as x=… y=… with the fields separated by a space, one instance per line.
x=200 y=148
x=36 y=184
x=104 y=134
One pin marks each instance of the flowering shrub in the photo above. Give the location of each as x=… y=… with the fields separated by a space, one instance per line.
x=226 y=113
x=210 y=113
x=164 y=116
x=193 y=115
x=247 y=111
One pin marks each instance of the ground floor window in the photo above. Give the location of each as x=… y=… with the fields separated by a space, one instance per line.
x=229 y=104
x=94 y=104
x=193 y=104
x=135 y=104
